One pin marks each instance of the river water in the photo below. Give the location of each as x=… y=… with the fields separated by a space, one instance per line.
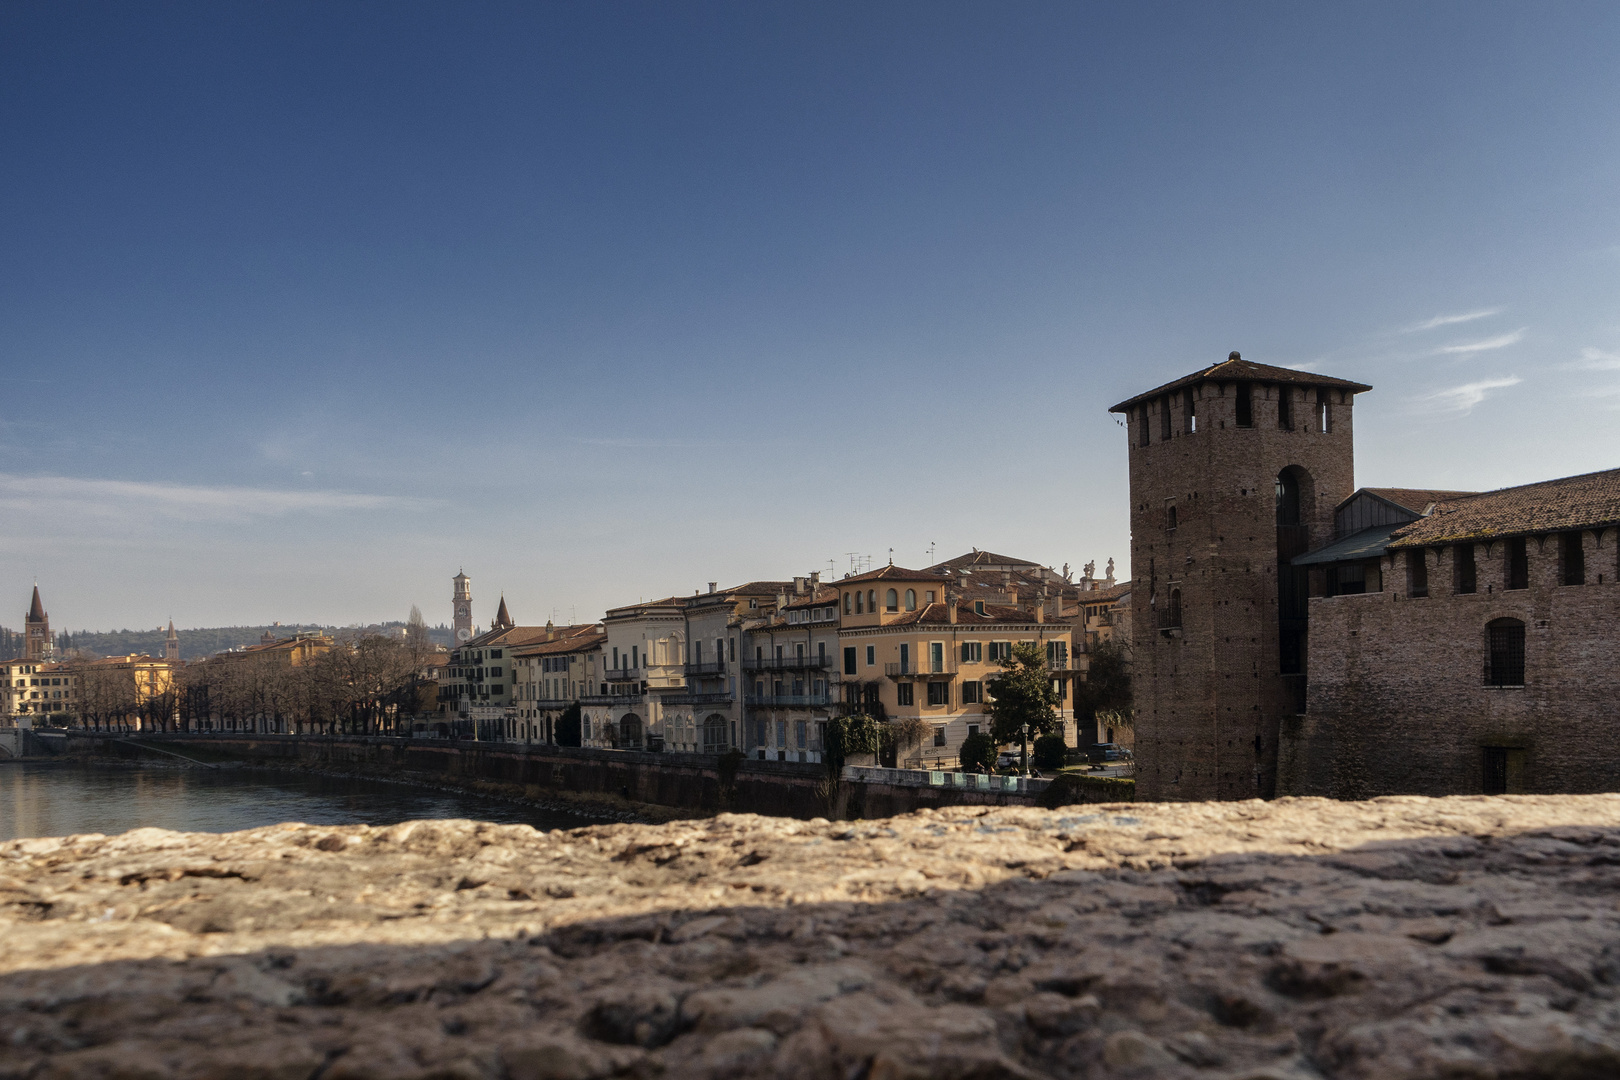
x=62 y=798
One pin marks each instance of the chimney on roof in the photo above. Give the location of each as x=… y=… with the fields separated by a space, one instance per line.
x=548 y=630
x=799 y=584
x=815 y=578
x=713 y=585
x=950 y=606
x=1234 y=355
x=781 y=601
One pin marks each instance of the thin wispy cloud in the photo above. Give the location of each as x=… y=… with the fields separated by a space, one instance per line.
x=74 y=496
x=1463 y=398
x=1597 y=360
x=1453 y=320
x=1469 y=348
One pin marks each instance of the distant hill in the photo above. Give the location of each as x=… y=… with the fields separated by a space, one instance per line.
x=195 y=643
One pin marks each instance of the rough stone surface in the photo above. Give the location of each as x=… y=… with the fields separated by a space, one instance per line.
x=1403 y=937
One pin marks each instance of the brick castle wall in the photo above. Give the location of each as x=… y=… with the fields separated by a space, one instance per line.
x=1398 y=702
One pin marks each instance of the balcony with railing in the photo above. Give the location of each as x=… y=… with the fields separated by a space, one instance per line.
x=925 y=668
x=628 y=674
x=708 y=668
x=705 y=697
x=790 y=701
x=632 y=698
x=794 y=662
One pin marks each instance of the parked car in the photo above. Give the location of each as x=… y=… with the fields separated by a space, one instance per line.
x=1009 y=759
x=1107 y=751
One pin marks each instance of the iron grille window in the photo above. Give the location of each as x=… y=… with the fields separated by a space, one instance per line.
x=1506 y=641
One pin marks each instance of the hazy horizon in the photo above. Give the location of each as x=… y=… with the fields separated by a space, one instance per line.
x=309 y=306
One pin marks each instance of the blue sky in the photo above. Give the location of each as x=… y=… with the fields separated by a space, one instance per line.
x=305 y=306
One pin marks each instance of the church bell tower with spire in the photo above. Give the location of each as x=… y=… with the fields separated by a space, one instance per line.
x=171 y=645
x=37 y=644
x=461 y=607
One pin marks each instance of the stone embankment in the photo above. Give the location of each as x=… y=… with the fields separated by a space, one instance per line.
x=1404 y=937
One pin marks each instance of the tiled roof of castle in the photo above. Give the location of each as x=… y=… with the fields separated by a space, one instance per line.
x=1237 y=369
x=1590 y=501
x=1416 y=500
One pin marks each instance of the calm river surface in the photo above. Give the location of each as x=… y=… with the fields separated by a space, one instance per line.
x=62 y=798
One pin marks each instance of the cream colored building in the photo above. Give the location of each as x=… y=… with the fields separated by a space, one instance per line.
x=790 y=668
x=643 y=663
x=910 y=649
x=550 y=675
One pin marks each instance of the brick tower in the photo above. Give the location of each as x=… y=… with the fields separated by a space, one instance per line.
x=37 y=642
x=171 y=645
x=461 y=607
x=1234 y=470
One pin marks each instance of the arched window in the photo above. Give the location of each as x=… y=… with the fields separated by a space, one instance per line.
x=871 y=599
x=860 y=608
x=1504 y=660
x=911 y=599
x=846 y=603
x=891 y=601
x=1170 y=518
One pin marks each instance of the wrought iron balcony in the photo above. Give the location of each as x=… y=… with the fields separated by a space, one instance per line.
x=808 y=662
x=614 y=700
x=628 y=674
x=712 y=698
x=790 y=701
x=709 y=668
x=924 y=669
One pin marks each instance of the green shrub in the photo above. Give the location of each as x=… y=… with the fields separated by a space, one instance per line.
x=1049 y=752
x=978 y=749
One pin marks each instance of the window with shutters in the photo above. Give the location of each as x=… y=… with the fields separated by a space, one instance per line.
x=939 y=693
x=903 y=694
x=972 y=652
x=972 y=692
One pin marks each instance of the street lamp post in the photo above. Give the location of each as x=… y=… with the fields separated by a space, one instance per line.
x=1024 y=747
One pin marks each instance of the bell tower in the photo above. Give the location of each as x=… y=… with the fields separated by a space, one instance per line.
x=171 y=645
x=461 y=607
x=1234 y=470
x=37 y=644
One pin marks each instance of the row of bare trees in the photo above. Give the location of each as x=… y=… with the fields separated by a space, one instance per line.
x=365 y=685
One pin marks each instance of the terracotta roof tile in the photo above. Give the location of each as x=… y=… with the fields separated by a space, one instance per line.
x=1590 y=501
x=892 y=573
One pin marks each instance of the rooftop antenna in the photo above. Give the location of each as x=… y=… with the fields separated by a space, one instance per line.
x=931 y=553
x=851 y=555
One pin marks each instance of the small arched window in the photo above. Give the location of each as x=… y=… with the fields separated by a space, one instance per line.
x=1504 y=657
x=860 y=608
x=1170 y=518
x=911 y=599
x=891 y=601
x=846 y=604
x=871 y=600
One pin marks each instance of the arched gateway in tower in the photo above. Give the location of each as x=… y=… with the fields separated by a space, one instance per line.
x=1234 y=470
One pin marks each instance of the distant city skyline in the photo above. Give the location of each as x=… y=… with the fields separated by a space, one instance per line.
x=308 y=306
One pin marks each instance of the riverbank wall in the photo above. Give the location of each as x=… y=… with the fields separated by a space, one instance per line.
x=687 y=784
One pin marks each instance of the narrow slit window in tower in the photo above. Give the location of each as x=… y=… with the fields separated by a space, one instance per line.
x=1245 y=405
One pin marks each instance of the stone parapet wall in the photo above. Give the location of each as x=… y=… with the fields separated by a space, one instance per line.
x=1302 y=939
